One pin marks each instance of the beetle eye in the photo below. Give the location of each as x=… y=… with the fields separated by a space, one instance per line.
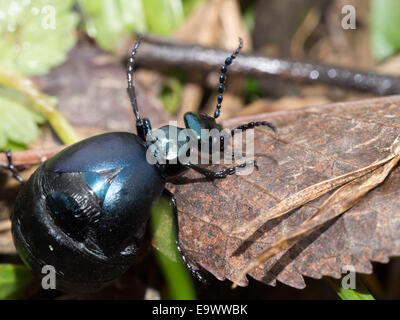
x=67 y=215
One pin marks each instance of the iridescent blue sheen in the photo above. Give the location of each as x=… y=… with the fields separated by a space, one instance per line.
x=85 y=210
x=99 y=153
x=98 y=182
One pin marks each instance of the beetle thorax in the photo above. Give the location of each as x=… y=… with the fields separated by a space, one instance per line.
x=168 y=143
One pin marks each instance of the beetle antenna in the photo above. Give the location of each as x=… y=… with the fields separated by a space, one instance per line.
x=222 y=77
x=131 y=88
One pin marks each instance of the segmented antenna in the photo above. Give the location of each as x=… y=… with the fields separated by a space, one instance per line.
x=222 y=78
x=129 y=73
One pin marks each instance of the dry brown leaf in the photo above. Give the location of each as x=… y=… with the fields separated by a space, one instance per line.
x=348 y=148
x=341 y=201
x=285 y=103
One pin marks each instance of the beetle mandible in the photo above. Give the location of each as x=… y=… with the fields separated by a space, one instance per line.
x=85 y=210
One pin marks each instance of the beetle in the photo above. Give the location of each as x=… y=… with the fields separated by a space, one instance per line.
x=85 y=210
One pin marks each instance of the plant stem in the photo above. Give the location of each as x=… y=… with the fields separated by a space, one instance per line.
x=40 y=103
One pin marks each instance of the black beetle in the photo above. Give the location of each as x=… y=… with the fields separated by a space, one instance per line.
x=85 y=210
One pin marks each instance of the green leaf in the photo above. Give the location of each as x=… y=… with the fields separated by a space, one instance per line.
x=252 y=89
x=18 y=87
x=360 y=293
x=14 y=280
x=172 y=91
x=385 y=28
x=109 y=21
x=179 y=282
x=190 y=5
x=18 y=124
x=163 y=16
x=249 y=13
x=35 y=35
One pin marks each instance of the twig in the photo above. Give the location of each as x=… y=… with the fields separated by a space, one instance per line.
x=159 y=52
x=5 y=225
x=29 y=158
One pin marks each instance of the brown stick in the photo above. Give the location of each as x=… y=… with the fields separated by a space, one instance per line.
x=159 y=52
x=29 y=158
x=5 y=225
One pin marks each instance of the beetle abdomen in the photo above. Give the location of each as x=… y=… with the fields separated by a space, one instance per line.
x=87 y=224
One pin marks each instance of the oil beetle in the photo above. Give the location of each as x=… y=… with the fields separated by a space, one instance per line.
x=85 y=210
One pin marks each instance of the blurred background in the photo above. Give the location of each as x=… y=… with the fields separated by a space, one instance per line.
x=62 y=78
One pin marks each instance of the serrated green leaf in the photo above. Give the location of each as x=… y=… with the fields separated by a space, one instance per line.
x=385 y=28
x=35 y=35
x=14 y=280
x=22 y=89
x=18 y=124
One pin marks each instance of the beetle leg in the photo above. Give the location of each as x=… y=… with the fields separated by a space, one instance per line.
x=171 y=198
x=10 y=167
x=247 y=126
x=221 y=174
x=253 y=124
